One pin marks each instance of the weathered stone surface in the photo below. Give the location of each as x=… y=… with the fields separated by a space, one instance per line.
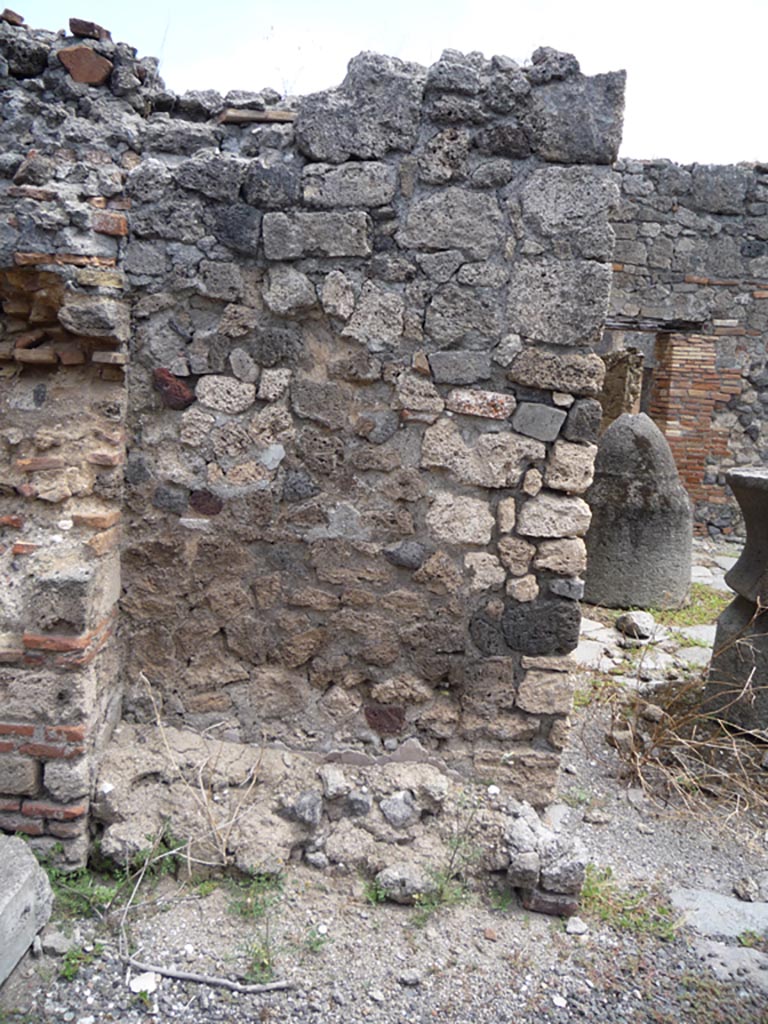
x=524 y=588
x=569 y=207
x=553 y=515
x=561 y=302
x=579 y=120
x=26 y=900
x=570 y=467
x=546 y=693
x=545 y=626
x=583 y=423
x=225 y=394
x=288 y=292
x=485 y=571
x=567 y=557
x=516 y=554
x=506 y=513
x=571 y=372
x=376 y=109
x=361 y=184
x=216 y=175
x=290 y=236
x=377 y=321
x=405 y=882
x=338 y=295
x=95 y=317
x=273 y=182
x=457 y=519
x=489 y=404
x=460 y=367
x=540 y=421
x=445 y=157
x=639 y=544
x=494 y=460
x=454 y=219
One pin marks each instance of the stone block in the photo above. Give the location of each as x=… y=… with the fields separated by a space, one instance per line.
x=377 y=321
x=547 y=625
x=485 y=571
x=546 y=693
x=579 y=120
x=215 y=175
x=488 y=404
x=516 y=554
x=559 y=301
x=377 y=108
x=568 y=556
x=457 y=519
x=273 y=182
x=19 y=775
x=455 y=218
x=95 y=316
x=291 y=236
x=537 y=420
x=494 y=460
x=26 y=900
x=583 y=423
x=360 y=184
x=459 y=367
x=85 y=65
x=466 y=317
x=553 y=515
x=288 y=292
x=67 y=781
x=71 y=597
x=570 y=467
x=225 y=394
x=571 y=372
x=569 y=207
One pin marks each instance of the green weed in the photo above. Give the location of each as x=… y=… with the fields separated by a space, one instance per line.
x=74 y=959
x=635 y=910
x=373 y=892
x=254 y=897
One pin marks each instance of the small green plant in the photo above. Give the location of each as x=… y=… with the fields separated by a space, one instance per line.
x=206 y=887
x=447 y=891
x=704 y=606
x=635 y=910
x=374 y=892
x=597 y=689
x=254 y=897
x=501 y=898
x=74 y=959
x=575 y=796
x=260 y=956
x=754 y=940
x=82 y=893
x=316 y=939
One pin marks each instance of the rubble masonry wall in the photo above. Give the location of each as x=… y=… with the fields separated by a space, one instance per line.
x=311 y=388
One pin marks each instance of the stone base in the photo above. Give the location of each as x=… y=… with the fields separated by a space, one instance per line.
x=25 y=902
x=737 y=691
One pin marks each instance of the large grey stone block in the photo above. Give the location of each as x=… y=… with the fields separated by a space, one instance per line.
x=26 y=900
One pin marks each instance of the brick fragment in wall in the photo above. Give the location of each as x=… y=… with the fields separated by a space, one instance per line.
x=85 y=65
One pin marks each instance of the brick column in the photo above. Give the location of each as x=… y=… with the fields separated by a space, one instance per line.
x=687 y=390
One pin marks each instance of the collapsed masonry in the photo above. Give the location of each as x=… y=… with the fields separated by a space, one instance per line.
x=311 y=393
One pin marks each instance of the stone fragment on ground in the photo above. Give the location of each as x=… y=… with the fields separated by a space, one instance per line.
x=26 y=900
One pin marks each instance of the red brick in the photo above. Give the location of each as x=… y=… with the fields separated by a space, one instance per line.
x=37 y=462
x=58 y=812
x=67 y=829
x=105 y=541
x=105 y=458
x=9 y=805
x=14 y=522
x=85 y=65
x=51 y=752
x=6 y=747
x=70 y=733
x=97 y=520
x=18 y=823
x=14 y=729
x=24 y=548
x=54 y=642
x=11 y=17
x=108 y=222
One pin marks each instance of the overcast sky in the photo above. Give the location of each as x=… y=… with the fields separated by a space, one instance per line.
x=696 y=69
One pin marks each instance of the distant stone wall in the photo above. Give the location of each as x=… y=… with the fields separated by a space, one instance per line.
x=690 y=290
x=347 y=348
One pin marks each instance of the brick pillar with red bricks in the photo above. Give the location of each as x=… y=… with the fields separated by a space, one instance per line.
x=61 y=461
x=688 y=389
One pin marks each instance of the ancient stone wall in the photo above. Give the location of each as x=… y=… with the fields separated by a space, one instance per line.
x=358 y=408
x=690 y=291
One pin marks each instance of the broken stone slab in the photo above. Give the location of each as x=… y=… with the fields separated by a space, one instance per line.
x=26 y=900
x=711 y=913
x=734 y=963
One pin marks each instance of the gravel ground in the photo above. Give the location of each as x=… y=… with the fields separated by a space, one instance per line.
x=480 y=959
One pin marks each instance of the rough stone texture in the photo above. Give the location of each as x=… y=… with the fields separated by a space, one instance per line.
x=261 y=382
x=26 y=900
x=639 y=542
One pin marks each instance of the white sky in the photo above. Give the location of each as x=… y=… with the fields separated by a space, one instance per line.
x=697 y=69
